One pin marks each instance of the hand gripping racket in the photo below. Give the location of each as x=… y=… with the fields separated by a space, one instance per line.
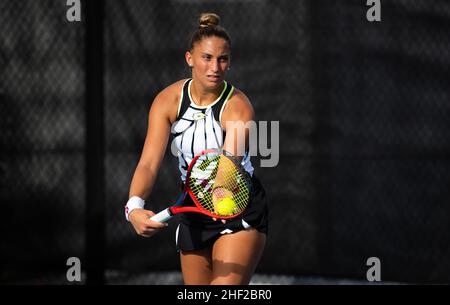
x=217 y=184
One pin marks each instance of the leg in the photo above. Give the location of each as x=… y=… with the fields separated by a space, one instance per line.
x=235 y=257
x=196 y=266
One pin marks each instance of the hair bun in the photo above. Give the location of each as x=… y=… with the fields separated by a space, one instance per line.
x=208 y=20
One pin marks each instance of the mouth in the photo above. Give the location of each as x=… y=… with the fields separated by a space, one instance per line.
x=214 y=78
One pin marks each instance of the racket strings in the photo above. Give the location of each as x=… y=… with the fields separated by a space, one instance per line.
x=216 y=177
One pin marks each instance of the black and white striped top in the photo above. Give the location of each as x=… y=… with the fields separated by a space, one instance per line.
x=198 y=127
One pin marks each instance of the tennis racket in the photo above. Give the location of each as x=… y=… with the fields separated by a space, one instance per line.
x=217 y=184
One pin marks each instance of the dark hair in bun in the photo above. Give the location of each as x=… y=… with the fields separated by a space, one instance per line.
x=208 y=25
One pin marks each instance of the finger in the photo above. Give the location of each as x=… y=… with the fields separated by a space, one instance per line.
x=155 y=224
x=214 y=218
x=224 y=221
x=149 y=213
x=147 y=232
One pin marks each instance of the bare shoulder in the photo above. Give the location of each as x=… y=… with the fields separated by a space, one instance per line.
x=167 y=100
x=238 y=97
x=238 y=107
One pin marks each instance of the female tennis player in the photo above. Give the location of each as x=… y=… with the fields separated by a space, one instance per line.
x=196 y=112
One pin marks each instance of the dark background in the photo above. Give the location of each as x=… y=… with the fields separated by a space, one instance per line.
x=364 y=133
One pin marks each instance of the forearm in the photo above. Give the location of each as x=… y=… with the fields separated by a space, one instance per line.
x=142 y=183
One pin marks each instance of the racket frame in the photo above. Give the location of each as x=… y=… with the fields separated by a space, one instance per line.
x=169 y=212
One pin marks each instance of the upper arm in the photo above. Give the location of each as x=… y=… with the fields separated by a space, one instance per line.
x=160 y=117
x=237 y=119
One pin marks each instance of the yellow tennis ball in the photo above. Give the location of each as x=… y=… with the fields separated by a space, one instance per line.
x=225 y=206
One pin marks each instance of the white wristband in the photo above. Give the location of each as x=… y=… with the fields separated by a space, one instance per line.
x=133 y=203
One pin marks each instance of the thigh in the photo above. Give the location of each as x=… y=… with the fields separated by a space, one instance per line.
x=235 y=257
x=196 y=266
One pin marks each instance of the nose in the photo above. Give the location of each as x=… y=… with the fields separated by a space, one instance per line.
x=215 y=66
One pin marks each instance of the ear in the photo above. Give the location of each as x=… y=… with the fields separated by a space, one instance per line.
x=188 y=57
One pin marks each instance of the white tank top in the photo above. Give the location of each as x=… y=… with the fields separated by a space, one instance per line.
x=198 y=127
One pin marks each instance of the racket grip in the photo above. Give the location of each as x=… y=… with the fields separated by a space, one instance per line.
x=162 y=216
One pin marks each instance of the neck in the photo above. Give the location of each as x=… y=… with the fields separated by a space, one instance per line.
x=204 y=96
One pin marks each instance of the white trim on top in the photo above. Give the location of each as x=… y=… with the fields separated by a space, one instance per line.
x=224 y=104
x=181 y=97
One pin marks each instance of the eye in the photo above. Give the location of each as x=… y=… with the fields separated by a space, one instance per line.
x=207 y=57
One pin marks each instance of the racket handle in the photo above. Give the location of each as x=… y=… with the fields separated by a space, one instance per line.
x=162 y=216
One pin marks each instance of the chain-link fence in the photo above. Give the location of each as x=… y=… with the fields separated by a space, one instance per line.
x=362 y=106
x=42 y=138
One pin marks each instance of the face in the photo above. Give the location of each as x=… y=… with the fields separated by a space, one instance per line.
x=209 y=59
